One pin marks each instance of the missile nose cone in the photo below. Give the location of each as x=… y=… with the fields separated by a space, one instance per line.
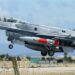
x=42 y=40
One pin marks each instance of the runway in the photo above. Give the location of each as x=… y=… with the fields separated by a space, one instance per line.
x=40 y=71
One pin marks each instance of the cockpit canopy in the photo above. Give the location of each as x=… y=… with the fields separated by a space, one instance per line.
x=9 y=20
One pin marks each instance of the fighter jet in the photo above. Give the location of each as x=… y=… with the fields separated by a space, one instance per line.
x=46 y=39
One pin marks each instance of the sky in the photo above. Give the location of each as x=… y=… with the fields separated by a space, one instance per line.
x=59 y=13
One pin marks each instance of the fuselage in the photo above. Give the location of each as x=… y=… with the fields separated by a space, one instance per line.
x=42 y=31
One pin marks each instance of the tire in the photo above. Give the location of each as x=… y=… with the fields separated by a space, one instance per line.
x=10 y=46
x=50 y=52
x=43 y=53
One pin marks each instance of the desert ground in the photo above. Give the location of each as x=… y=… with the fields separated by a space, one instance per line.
x=6 y=68
x=41 y=71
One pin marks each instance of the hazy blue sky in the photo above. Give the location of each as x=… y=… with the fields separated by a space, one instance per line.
x=59 y=13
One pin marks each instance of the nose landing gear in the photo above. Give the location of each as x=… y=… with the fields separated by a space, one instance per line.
x=10 y=45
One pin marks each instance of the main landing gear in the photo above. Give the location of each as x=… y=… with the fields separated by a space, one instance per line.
x=11 y=40
x=49 y=52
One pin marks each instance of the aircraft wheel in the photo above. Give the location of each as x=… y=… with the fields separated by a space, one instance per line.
x=43 y=53
x=50 y=52
x=10 y=46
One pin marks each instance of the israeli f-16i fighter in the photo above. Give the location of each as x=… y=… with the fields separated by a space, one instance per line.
x=46 y=39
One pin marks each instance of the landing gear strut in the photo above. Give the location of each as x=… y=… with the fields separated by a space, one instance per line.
x=10 y=39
